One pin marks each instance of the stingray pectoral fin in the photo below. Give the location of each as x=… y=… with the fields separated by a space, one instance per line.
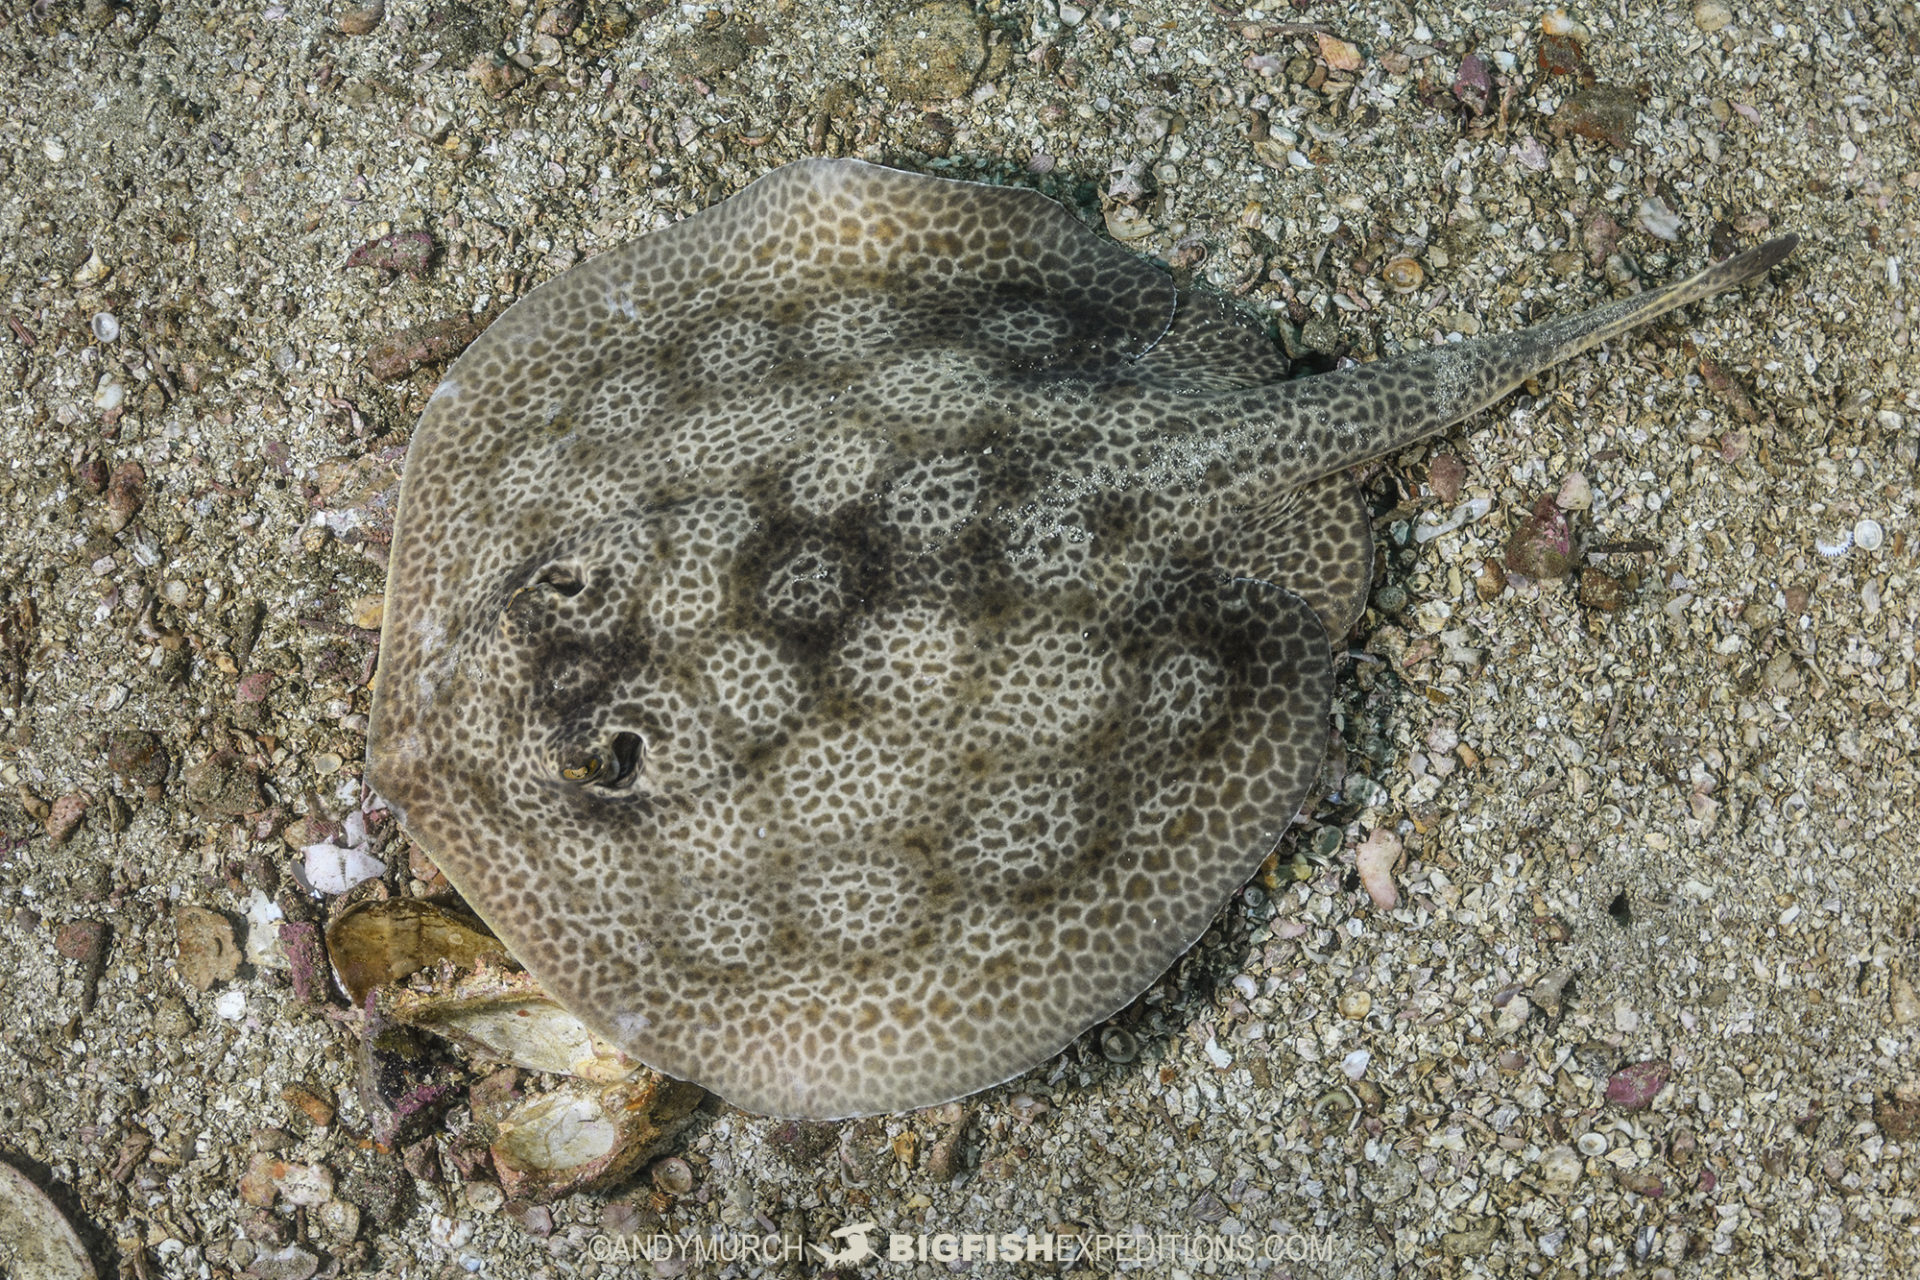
x=1000 y=269
x=1067 y=882
x=1215 y=746
x=1316 y=540
x=1235 y=683
x=1214 y=344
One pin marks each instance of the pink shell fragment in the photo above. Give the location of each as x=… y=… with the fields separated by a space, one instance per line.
x=410 y=252
x=1374 y=860
x=1634 y=1088
x=1473 y=86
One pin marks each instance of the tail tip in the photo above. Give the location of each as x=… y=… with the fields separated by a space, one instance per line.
x=1774 y=250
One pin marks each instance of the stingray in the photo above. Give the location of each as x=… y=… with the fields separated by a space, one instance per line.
x=850 y=642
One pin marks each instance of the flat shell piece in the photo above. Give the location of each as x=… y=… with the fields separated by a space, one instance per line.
x=35 y=1238
x=505 y=1015
x=580 y=1136
x=372 y=944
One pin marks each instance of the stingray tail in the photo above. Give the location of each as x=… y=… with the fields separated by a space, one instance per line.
x=1510 y=359
x=1315 y=426
x=1240 y=446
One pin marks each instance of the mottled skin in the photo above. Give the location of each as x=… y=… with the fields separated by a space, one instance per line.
x=850 y=642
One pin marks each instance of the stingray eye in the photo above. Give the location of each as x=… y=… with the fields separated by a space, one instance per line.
x=610 y=769
x=584 y=769
x=562 y=578
x=531 y=604
x=628 y=750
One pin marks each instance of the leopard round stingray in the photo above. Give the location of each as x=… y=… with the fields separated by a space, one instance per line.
x=851 y=641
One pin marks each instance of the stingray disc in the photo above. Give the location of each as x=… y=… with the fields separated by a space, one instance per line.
x=729 y=675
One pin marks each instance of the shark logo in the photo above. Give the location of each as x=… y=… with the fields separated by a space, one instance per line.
x=858 y=1247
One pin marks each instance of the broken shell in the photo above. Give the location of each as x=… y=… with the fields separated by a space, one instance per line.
x=1542 y=544
x=334 y=869
x=1551 y=989
x=1633 y=1088
x=35 y=1238
x=1711 y=15
x=1445 y=475
x=208 y=954
x=1490 y=581
x=93 y=270
x=1432 y=525
x=1642 y=1182
x=1474 y=84
x=305 y=954
x=580 y=1136
x=1125 y=223
x=288 y=1262
x=1339 y=54
x=673 y=1176
x=305 y=1185
x=312 y=1101
x=1117 y=1044
x=1601 y=590
x=367 y=611
x=65 y=817
x=1375 y=859
x=363 y=19
x=1560 y=1168
x=505 y=1015
x=1559 y=23
x=497 y=74
x=126 y=494
x=560 y=19
x=372 y=944
x=338 y=1221
x=1576 y=493
x=1403 y=274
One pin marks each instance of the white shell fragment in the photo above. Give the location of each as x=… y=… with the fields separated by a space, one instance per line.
x=1867 y=535
x=1431 y=526
x=93 y=270
x=1657 y=219
x=263 y=932
x=582 y=1136
x=332 y=869
x=106 y=326
x=505 y=1015
x=1833 y=542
